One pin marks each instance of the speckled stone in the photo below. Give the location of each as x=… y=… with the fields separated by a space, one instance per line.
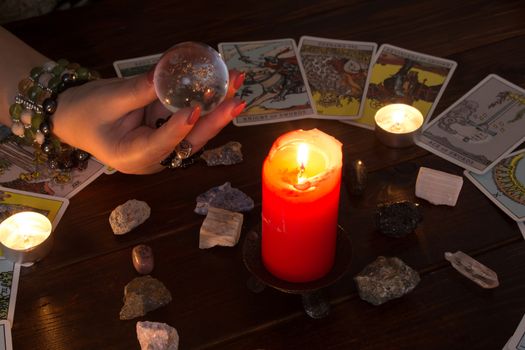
x=129 y=215
x=224 y=197
x=385 y=279
x=227 y=154
x=142 y=295
x=142 y=257
x=398 y=219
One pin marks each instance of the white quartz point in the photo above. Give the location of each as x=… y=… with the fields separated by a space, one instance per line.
x=220 y=227
x=473 y=269
x=438 y=187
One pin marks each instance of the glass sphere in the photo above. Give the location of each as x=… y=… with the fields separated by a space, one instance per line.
x=191 y=74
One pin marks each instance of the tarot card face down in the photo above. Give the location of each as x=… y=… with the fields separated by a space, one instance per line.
x=481 y=128
x=504 y=184
x=134 y=66
x=403 y=76
x=274 y=88
x=337 y=75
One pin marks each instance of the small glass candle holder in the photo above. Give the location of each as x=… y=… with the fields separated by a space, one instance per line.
x=396 y=125
x=25 y=237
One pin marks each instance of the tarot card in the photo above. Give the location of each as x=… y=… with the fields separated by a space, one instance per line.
x=517 y=341
x=505 y=184
x=521 y=226
x=481 y=127
x=134 y=66
x=337 y=75
x=15 y=201
x=274 y=88
x=402 y=76
x=9 y=276
x=18 y=170
x=6 y=342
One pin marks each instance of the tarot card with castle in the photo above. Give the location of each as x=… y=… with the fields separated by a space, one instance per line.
x=274 y=88
x=481 y=128
x=403 y=76
x=337 y=73
x=504 y=184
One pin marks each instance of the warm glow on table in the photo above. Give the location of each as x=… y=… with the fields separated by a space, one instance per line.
x=399 y=118
x=25 y=230
x=301 y=181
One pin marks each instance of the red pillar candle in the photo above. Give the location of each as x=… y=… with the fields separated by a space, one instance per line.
x=301 y=178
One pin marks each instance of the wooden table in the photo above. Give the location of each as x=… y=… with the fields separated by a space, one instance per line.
x=71 y=299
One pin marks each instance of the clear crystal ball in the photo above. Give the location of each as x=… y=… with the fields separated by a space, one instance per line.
x=191 y=74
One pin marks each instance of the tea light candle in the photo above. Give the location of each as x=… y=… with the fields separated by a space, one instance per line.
x=26 y=237
x=397 y=124
x=300 y=200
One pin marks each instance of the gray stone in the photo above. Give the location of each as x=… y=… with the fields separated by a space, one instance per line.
x=223 y=197
x=142 y=257
x=157 y=336
x=227 y=154
x=142 y=295
x=385 y=279
x=129 y=215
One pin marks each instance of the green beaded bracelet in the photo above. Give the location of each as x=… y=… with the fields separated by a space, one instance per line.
x=36 y=102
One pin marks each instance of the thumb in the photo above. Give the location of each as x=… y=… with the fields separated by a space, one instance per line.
x=133 y=93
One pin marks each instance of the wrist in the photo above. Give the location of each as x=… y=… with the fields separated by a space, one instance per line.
x=35 y=104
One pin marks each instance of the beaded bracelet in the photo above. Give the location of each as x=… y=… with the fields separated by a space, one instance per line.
x=36 y=102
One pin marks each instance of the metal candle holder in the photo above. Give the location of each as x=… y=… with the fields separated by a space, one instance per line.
x=314 y=303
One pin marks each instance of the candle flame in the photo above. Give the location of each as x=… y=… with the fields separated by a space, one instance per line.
x=302 y=159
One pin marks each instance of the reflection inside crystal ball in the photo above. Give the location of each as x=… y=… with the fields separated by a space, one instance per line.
x=191 y=74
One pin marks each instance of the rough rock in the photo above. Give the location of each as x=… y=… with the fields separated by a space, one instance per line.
x=438 y=187
x=220 y=227
x=223 y=197
x=129 y=215
x=227 y=154
x=398 y=219
x=142 y=295
x=157 y=336
x=385 y=279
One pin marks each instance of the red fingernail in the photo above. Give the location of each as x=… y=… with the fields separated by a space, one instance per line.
x=239 y=81
x=194 y=116
x=238 y=109
x=150 y=75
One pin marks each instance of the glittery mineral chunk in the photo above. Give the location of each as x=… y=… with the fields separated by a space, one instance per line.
x=385 y=279
x=224 y=197
x=398 y=219
x=227 y=154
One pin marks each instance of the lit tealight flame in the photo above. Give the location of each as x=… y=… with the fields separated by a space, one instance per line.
x=398 y=118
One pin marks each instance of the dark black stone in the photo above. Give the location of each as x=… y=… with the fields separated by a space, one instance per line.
x=398 y=219
x=49 y=105
x=357 y=175
x=47 y=147
x=45 y=128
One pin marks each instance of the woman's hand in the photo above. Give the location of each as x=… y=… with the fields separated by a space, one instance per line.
x=114 y=120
